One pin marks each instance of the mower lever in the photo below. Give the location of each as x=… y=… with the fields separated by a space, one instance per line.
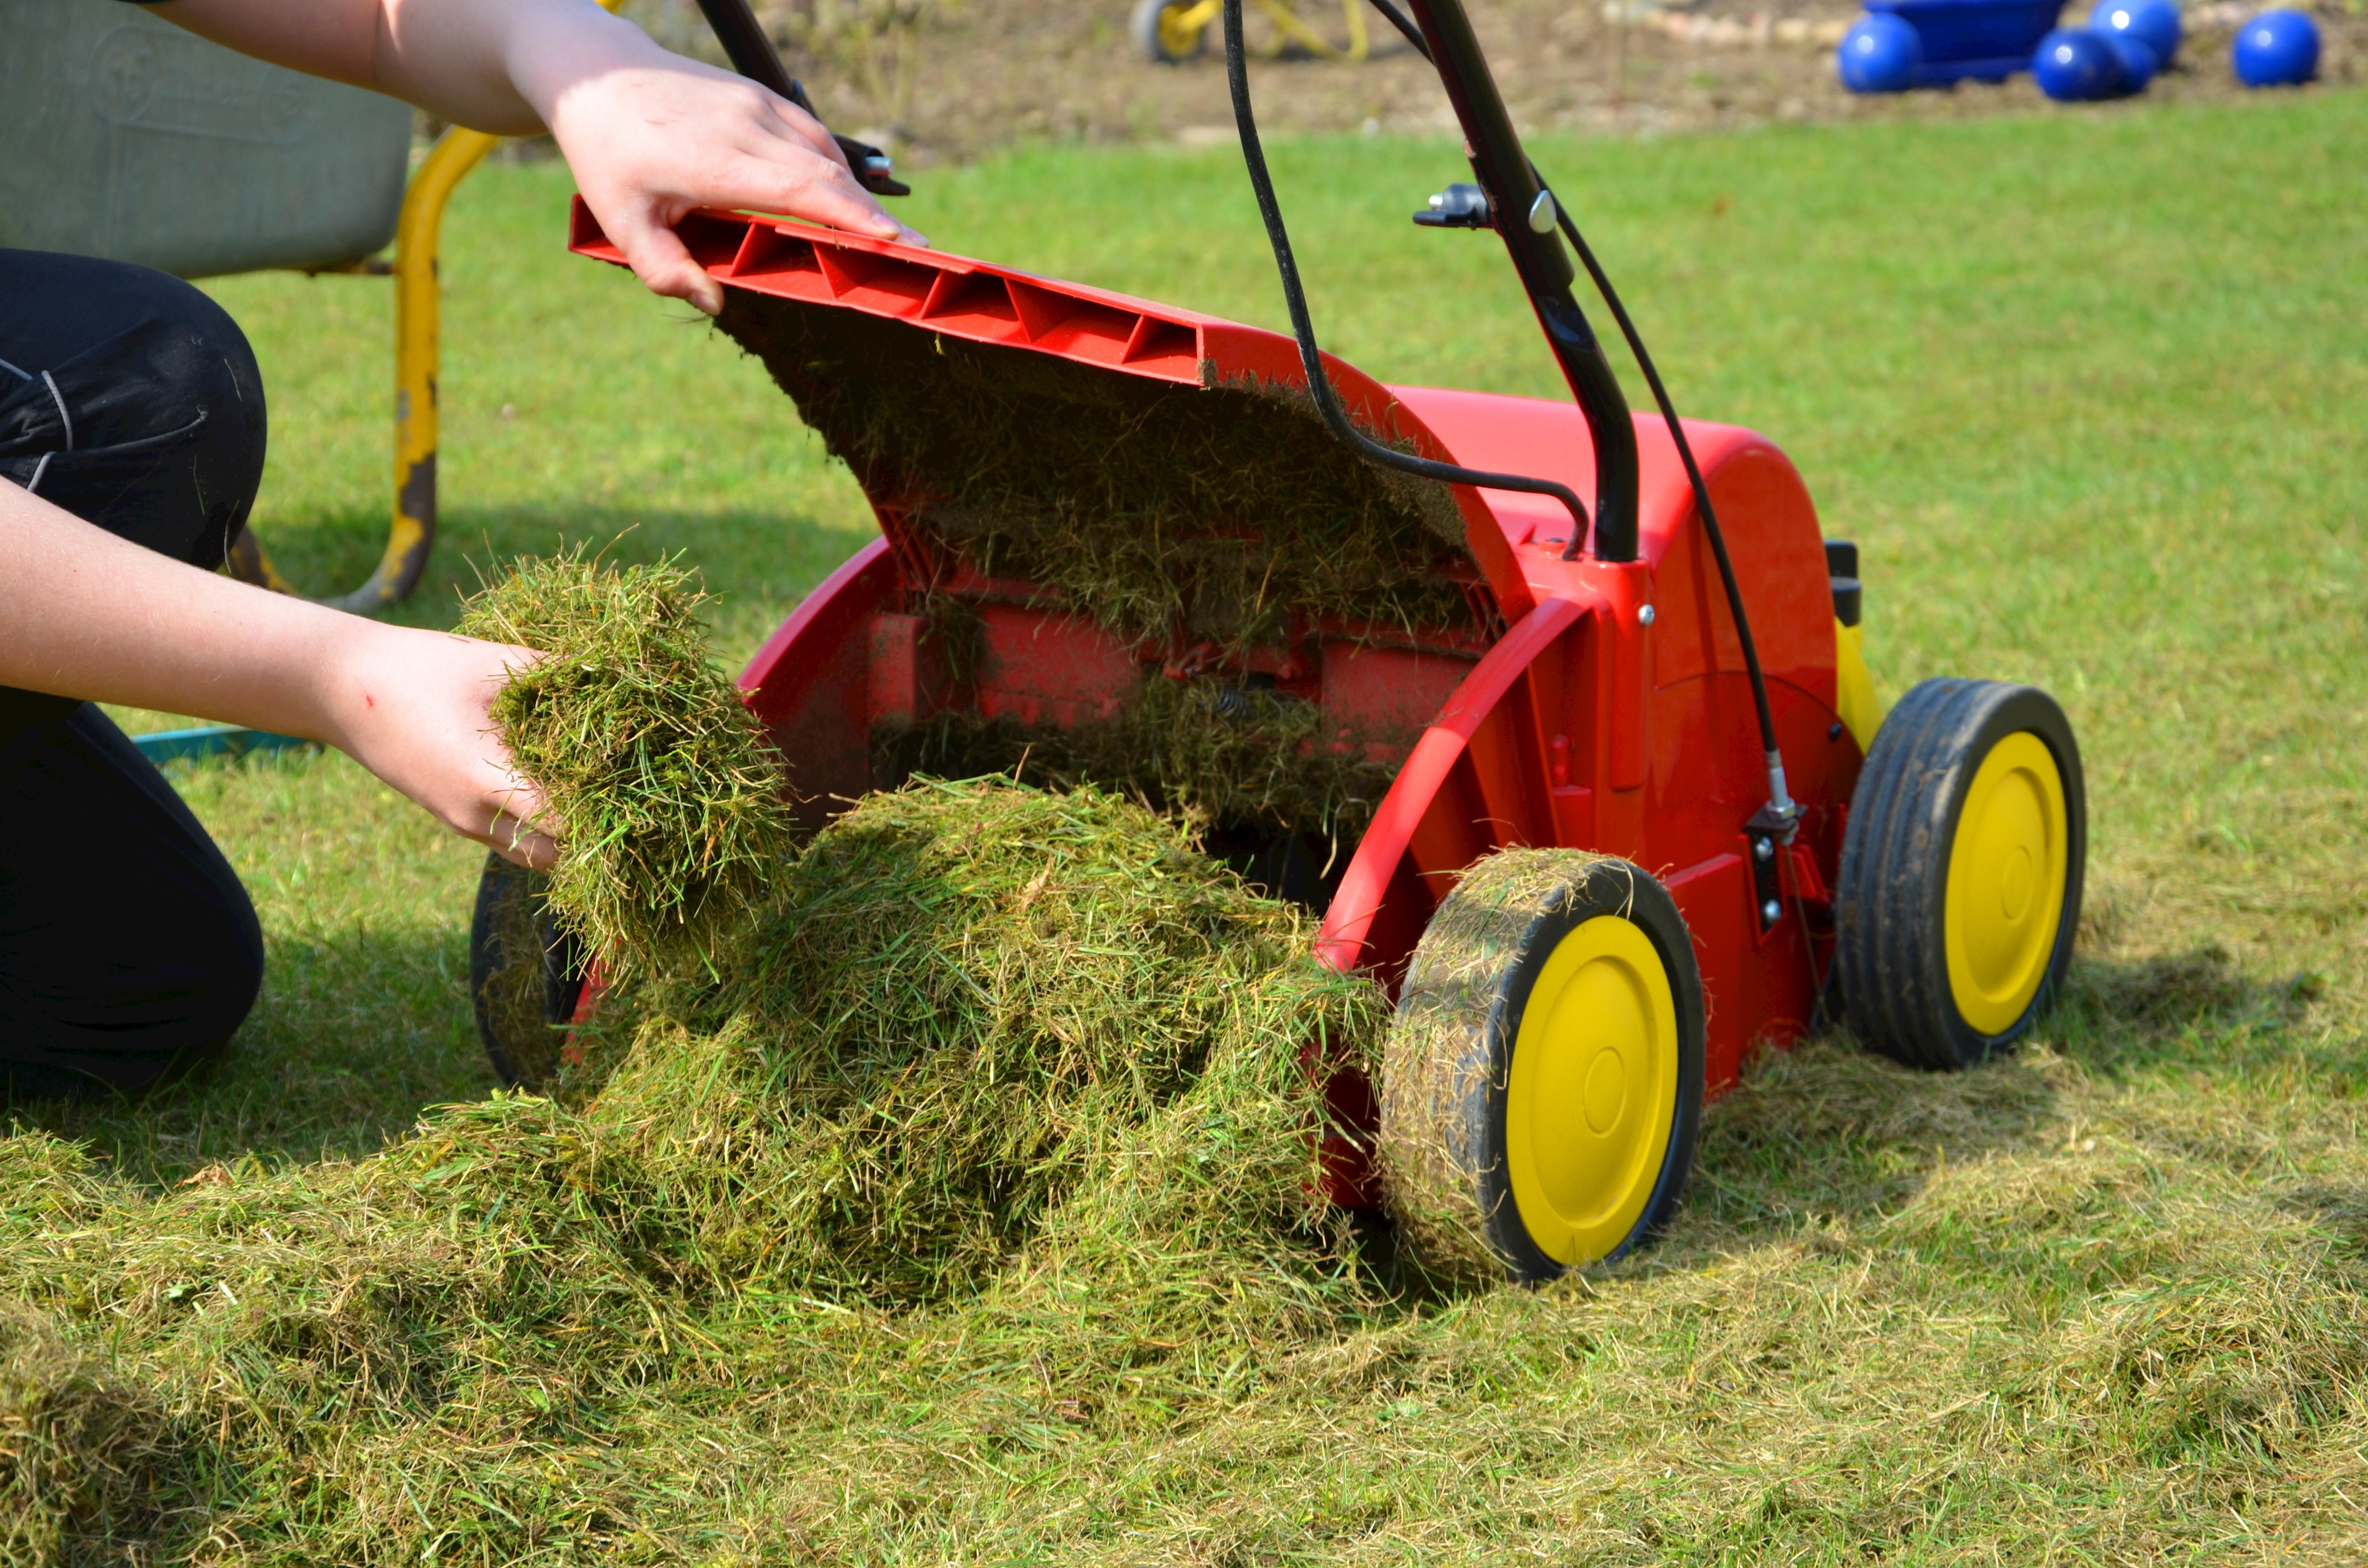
x=874 y=170
x=1460 y=206
x=752 y=55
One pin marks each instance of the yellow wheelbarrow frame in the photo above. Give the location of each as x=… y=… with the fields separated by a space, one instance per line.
x=1180 y=27
x=417 y=348
x=418 y=305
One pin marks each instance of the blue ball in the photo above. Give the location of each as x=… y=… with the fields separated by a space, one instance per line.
x=2153 y=23
x=2073 y=64
x=2277 y=48
x=1879 y=54
x=2137 y=61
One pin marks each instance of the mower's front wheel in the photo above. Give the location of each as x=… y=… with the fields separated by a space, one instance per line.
x=1542 y=1084
x=1959 y=891
x=525 y=975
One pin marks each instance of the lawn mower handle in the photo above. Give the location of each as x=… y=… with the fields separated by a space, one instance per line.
x=1514 y=197
x=753 y=55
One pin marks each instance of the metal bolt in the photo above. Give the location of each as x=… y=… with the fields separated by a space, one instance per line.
x=1541 y=214
x=1764 y=849
x=1438 y=199
x=1770 y=913
x=1645 y=616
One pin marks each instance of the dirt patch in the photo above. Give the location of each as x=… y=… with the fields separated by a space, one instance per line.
x=994 y=72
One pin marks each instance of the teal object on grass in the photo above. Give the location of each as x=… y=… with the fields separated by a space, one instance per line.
x=211 y=740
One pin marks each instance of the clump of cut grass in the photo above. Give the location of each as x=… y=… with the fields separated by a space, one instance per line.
x=965 y=1001
x=81 y=1448
x=1197 y=750
x=1217 y=511
x=662 y=790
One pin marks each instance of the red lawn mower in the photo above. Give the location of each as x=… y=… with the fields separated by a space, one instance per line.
x=1640 y=811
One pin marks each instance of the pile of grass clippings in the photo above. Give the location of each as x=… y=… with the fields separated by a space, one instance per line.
x=661 y=786
x=1151 y=508
x=982 y=1078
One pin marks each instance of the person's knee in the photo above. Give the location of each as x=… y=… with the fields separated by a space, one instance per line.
x=229 y=961
x=142 y=405
x=127 y=956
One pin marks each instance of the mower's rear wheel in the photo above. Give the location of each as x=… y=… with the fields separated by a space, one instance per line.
x=1959 y=893
x=1165 y=32
x=525 y=975
x=1541 y=1085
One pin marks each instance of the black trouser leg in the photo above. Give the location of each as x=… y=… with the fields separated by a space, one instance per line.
x=128 y=949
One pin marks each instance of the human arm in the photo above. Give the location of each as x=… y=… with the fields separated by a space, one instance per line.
x=85 y=614
x=649 y=134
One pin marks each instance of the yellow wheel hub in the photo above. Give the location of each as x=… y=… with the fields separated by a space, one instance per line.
x=1593 y=1090
x=2006 y=883
x=1180 y=27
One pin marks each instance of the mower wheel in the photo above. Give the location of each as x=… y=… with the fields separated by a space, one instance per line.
x=524 y=975
x=1542 y=1084
x=1169 y=32
x=1959 y=893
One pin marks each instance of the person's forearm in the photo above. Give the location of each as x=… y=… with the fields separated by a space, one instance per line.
x=497 y=65
x=650 y=135
x=85 y=614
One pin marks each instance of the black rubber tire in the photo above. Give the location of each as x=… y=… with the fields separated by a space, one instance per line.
x=525 y=975
x=1143 y=25
x=1448 y=1064
x=1891 y=898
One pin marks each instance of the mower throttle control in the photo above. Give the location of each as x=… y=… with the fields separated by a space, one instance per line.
x=1460 y=206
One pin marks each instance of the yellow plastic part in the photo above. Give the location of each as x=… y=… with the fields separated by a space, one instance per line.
x=1854 y=700
x=2005 y=897
x=417 y=322
x=1593 y=1090
x=418 y=305
x=1180 y=27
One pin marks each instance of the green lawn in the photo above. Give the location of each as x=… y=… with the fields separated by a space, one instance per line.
x=2089 y=388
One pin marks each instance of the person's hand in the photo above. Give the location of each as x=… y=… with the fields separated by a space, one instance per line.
x=649 y=134
x=650 y=141
x=415 y=708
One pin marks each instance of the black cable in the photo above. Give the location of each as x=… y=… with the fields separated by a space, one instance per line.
x=1405 y=24
x=1302 y=329
x=1693 y=477
x=1413 y=35
x=1779 y=797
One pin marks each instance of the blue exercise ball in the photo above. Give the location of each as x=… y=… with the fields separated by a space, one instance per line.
x=2073 y=63
x=2276 y=49
x=1879 y=54
x=2153 y=23
x=2137 y=61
